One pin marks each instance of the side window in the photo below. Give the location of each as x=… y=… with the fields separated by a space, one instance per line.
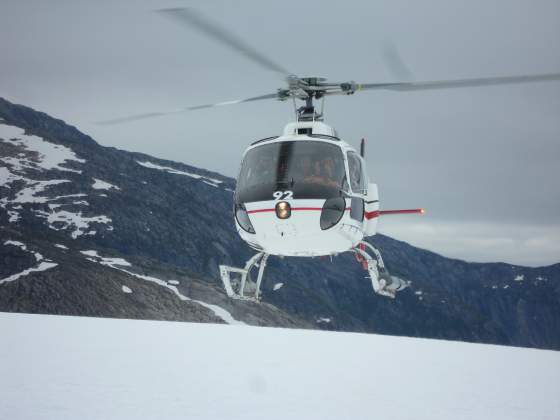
x=357 y=209
x=357 y=178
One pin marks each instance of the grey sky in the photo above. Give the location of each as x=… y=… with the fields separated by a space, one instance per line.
x=482 y=161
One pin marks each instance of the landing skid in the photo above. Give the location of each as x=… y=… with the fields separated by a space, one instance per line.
x=236 y=287
x=383 y=283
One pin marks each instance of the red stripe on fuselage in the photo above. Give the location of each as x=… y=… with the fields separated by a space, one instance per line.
x=293 y=209
x=372 y=214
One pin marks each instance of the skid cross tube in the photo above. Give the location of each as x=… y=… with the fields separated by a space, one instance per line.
x=244 y=274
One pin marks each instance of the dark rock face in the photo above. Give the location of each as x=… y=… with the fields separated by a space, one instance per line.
x=176 y=223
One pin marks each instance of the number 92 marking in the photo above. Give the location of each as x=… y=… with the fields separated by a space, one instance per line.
x=283 y=195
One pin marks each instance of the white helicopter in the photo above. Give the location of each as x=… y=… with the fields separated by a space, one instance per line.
x=306 y=193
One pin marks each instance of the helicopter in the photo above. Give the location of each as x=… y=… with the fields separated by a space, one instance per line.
x=306 y=192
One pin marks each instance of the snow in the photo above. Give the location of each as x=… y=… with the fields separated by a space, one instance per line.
x=106 y=260
x=50 y=155
x=126 y=289
x=29 y=194
x=16 y=243
x=13 y=216
x=45 y=265
x=277 y=286
x=519 y=277
x=61 y=246
x=113 y=262
x=22 y=246
x=42 y=266
x=102 y=185
x=6 y=177
x=86 y=368
x=212 y=181
x=40 y=155
x=323 y=321
x=76 y=221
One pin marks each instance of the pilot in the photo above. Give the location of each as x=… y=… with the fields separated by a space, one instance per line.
x=328 y=172
x=305 y=168
x=319 y=172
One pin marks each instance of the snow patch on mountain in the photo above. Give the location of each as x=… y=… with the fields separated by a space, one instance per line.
x=23 y=247
x=106 y=260
x=29 y=194
x=6 y=177
x=42 y=266
x=37 y=155
x=126 y=289
x=103 y=185
x=207 y=180
x=20 y=245
x=114 y=262
x=519 y=277
x=63 y=220
x=48 y=155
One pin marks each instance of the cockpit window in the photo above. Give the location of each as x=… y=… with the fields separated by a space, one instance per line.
x=296 y=169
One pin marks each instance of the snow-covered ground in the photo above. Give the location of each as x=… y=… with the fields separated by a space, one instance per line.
x=54 y=367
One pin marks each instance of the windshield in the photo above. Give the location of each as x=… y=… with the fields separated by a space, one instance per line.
x=291 y=169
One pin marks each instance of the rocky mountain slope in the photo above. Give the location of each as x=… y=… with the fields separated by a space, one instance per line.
x=92 y=230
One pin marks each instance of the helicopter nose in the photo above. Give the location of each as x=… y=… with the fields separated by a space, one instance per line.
x=286 y=230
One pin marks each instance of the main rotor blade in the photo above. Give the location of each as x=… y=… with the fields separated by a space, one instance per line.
x=177 y=111
x=190 y=17
x=446 y=84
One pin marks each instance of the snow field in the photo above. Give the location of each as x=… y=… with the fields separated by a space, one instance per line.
x=54 y=367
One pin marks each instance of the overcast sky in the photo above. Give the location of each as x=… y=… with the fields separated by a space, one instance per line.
x=484 y=162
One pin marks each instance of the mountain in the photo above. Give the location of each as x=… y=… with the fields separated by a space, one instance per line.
x=92 y=230
x=90 y=368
